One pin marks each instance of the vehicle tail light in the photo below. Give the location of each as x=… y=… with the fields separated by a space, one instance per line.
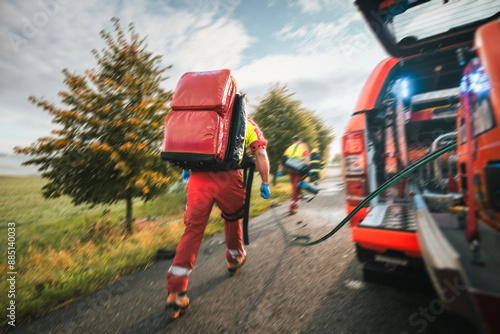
x=354 y=155
x=354 y=143
x=356 y=190
x=354 y=164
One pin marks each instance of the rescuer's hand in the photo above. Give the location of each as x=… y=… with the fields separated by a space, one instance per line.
x=264 y=191
x=185 y=175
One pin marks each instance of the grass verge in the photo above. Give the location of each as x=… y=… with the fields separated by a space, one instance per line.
x=64 y=252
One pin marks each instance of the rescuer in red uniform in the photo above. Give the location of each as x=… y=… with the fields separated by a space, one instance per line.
x=226 y=189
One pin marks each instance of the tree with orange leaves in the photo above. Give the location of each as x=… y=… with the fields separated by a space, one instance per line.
x=107 y=145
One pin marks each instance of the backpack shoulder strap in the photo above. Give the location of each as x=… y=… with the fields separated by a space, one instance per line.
x=248 y=193
x=248 y=166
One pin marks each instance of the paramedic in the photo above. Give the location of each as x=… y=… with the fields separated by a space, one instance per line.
x=300 y=151
x=226 y=189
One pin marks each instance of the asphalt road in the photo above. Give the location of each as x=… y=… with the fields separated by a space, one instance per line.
x=281 y=289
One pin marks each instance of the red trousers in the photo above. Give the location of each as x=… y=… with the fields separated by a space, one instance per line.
x=294 y=179
x=204 y=188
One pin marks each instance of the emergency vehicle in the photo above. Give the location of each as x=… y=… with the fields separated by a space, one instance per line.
x=440 y=85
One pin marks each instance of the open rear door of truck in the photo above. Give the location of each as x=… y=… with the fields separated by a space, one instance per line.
x=410 y=27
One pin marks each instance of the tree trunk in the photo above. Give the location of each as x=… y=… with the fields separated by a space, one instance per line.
x=128 y=218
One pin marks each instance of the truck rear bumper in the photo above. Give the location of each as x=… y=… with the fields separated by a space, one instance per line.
x=388 y=227
x=381 y=240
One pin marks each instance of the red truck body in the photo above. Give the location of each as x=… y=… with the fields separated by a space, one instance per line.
x=440 y=85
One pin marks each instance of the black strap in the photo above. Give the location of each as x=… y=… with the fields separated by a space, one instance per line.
x=245 y=176
x=249 y=181
x=248 y=172
x=232 y=217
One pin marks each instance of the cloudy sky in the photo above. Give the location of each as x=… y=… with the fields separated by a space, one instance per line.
x=321 y=49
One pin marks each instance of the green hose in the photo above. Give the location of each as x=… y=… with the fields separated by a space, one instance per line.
x=385 y=185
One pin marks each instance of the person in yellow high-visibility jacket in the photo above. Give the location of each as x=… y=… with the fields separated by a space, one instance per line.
x=298 y=150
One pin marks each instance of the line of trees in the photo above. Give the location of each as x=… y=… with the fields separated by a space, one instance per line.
x=280 y=117
x=110 y=126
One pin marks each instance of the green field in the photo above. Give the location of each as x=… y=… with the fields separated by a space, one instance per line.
x=64 y=251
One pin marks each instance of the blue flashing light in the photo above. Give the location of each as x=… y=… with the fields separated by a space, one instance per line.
x=477 y=82
x=482 y=84
x=404 y=89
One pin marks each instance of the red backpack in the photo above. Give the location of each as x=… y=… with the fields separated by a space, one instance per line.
x=206 y=128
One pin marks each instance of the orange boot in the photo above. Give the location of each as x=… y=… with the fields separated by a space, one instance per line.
x=177 y=304
x=233 y=267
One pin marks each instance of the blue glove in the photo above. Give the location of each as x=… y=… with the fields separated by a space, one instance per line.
x=185 y=175
x=264 y=191
x=279 y=174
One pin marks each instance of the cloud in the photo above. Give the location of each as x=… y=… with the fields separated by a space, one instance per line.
x=325 y=63
x=327 y=80
x=218 y=45
x=200 y=35
x=310 y=6
x=51 y=35
x=56 y=34
x=287 y=33
x=328 y=70
x=317 y=6
x=332 y=68
x=323 y=35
